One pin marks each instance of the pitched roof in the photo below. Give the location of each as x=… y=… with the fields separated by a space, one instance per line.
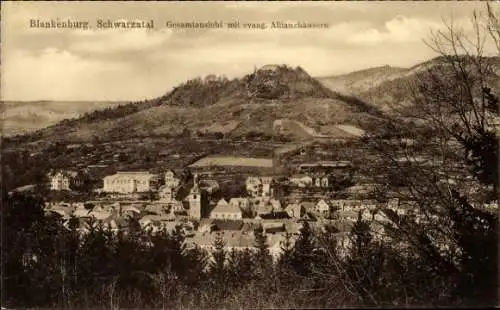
x=293 y=206
x=132 y=174
x=224 y=206
x=132 y=208
x=275 y=203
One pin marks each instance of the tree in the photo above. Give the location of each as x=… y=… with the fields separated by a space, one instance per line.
x=445 y=178
x=285 y=258
x=263 y=258
x=302 y=257
x=217 y=267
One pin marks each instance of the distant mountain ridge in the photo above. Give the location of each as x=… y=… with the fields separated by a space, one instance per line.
x=249 y=106
x=362 y=80
x=26 y=116
x=384 y=87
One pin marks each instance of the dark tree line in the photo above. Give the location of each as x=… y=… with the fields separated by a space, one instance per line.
x=48 y=264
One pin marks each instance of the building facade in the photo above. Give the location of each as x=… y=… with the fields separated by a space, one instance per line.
x=196 y=200
x=64 y=180
x=259 y=186
x=130 y=182
x=226 y=211
x=170 y=179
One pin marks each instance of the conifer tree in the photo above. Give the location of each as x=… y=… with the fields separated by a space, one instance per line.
x=262 y=257
x=302 y=256
x=217 y=266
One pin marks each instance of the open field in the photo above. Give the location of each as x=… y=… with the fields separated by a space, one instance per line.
x=233 y=161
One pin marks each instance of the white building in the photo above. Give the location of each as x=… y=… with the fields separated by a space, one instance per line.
x=130 y=182
x=259 y=186
x=242 y=203
x=64 y=180
x=167 y=193
x=295 y=210
x=170 y=179
x=301 y=180
x=197 y=200
x=225 y=211
x=322 y=207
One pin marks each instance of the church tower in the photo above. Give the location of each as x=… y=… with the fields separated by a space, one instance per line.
x=194 y=199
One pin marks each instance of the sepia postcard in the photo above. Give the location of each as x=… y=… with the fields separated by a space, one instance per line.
x=249 y=155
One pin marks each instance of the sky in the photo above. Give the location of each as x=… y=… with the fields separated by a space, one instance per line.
x=136 y=64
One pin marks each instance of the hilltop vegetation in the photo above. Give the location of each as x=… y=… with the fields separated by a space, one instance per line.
x=233 y=108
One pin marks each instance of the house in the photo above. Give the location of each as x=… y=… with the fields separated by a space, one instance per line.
x=64 y=180
x=242 y=203
x=301 y=180
x=267 y=189
x=325 y=181
x=167 y=193
x=224 y=210
x=170 y=180
x=345 y=205
x=322 y=207
x=295 y=210
x=233 y=241
x=259 y=186
x=263 y=208
x=253 y=186
x=317 y=181
x=176 y=206
x=130 y=182
x=238 y=241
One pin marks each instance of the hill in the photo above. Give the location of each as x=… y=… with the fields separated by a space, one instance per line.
x=359 y=81
x=237 y=108
x=27 y=116
x=388 y=88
